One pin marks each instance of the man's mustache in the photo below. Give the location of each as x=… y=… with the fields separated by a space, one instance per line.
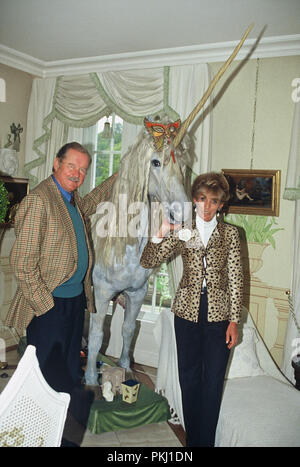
x=74 y=179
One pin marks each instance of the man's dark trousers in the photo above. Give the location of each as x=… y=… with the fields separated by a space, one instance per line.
x=57 y=337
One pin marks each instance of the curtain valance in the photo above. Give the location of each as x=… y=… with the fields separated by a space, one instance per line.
x=77 y=102
x=59 y=104
x=80 y=101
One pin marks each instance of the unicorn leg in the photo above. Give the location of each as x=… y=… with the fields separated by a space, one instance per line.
x=95 y=343
x=134 y=301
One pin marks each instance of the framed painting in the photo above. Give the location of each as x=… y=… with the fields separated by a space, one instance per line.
x=253 y=191
x=17 y=188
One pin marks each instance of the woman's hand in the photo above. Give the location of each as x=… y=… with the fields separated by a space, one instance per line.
x=232 y=335
x=166 y=228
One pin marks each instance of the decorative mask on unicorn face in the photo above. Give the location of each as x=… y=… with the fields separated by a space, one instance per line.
x=162 y=132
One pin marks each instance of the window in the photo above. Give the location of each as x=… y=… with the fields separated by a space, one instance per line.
x=106 y=162
x=108 y=150
x=158 y=295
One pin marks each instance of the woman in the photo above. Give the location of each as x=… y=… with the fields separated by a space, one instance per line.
x=207 y=304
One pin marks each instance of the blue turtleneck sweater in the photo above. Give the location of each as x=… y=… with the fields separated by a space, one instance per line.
x=74 y=286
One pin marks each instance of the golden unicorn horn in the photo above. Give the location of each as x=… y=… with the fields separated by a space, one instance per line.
x=209 y=90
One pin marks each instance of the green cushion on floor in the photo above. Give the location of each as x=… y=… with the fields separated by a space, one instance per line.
x=150 y=407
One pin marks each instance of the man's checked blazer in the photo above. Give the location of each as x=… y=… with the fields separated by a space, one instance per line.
x=44 y=254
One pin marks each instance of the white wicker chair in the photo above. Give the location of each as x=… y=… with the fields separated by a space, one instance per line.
x=32 y=414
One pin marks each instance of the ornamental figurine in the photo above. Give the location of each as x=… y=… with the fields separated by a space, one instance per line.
x=16 y=130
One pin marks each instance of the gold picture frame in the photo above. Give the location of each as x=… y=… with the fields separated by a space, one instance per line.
x=253 y=191
x=17 y=188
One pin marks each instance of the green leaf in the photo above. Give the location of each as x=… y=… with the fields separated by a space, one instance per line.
x=257 y=228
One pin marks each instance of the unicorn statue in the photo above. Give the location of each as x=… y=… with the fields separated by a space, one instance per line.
x=151 y=174
x=150 y=179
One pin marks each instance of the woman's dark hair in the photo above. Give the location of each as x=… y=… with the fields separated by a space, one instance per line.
x=211 y=181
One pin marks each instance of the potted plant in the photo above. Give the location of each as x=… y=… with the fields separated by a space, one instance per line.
x=258 y=229
x=259 y=233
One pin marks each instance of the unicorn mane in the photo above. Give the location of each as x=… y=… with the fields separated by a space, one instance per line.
x=132 y=181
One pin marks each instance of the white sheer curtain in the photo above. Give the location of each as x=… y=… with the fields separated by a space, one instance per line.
x=38 y=127
x=292 y=192
x=187 y=85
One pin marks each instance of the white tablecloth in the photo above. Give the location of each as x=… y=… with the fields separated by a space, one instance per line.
x=167 y=382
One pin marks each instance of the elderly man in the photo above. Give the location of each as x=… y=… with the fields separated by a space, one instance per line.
x=52 y=261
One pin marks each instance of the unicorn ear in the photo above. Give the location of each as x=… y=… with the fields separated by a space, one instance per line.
x=177 y=124
x=147 y=122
